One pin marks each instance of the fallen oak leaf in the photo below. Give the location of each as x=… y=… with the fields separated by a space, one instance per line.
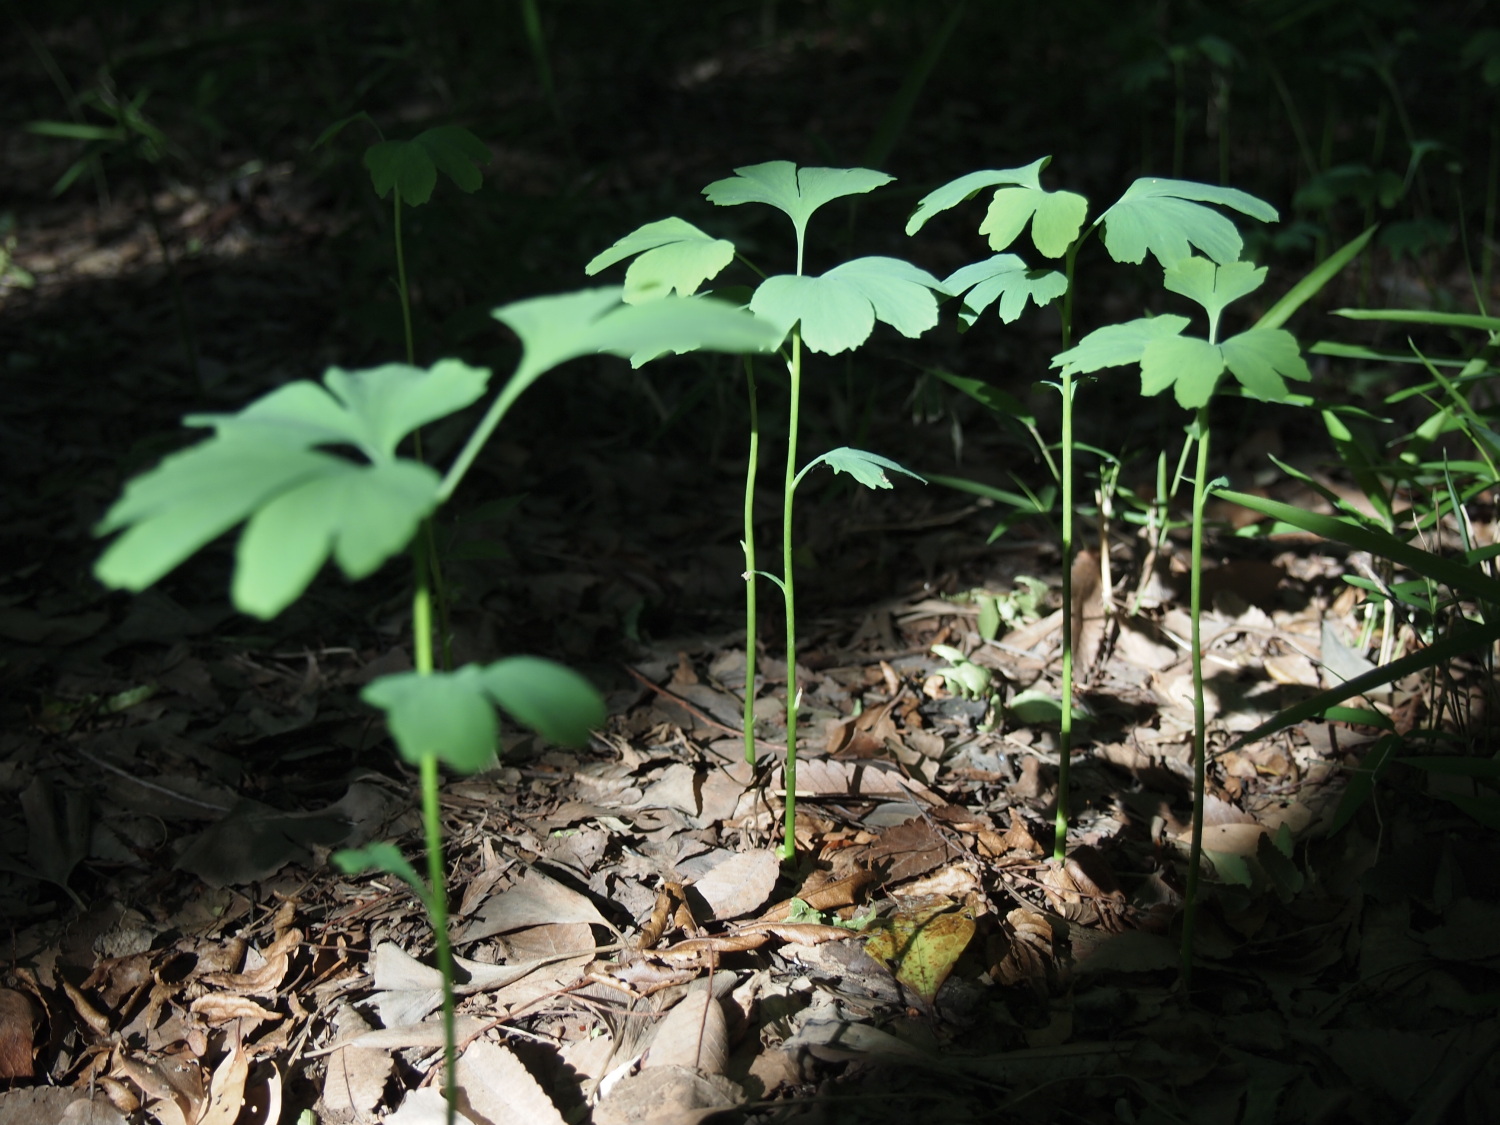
x=218 y=1008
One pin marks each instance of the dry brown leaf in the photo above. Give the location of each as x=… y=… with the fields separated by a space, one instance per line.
x=355 y=1077
x=18 y=1024
x=669 y=1095
x=219 y=1008
x=226 y=1090
x=534 y=900
x=740 y=884
x=495 y=1087
x=265 y=980
x=694 y=1033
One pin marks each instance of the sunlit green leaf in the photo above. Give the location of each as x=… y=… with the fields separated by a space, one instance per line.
x=1211 y=285
x=1117 y=344
x=838 y=310
x=966 y=187
x=1168 y=217
x=671 y=255
x=1056 y=218
x=1261 y=358
x=1191 y=367
x=867 y=468
x=1007 y=277
x=446 y=715
x=798 y=193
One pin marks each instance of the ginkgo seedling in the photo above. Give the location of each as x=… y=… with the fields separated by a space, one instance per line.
x=831 y=313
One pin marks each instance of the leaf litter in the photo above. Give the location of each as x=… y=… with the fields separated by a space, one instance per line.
x=629 y=949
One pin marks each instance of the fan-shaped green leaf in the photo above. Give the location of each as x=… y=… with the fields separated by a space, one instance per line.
x=558 y=328
x=1004 y=276
x=446 y=715
x=838 y=310
x=1213 y=286
x=798 y=194
x=1056 y=218
x=411 y=167
x=1191 y=367
x=361 y=514
x=546 y=697
x=1261 y=358
x=673 y=254
x=1115 y=344
x=967 y=187
x=1167 y=218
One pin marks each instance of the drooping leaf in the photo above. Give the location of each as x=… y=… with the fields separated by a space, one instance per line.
x=372 y=410
x=546 y=697
x=1116 y=344
x=1319 y=276
x=1168 y=217
x=867 y=468
x=451 y=715
x=446 y=715
x=671 y=255
x=1007 y=277
x=798 y=193
x=380 y=856
x=302 y=504
x=411 y=167
x=838 y=310
x=968 y=186
x=988 y=395
x=360 y=514
x=558 y=328
x=1262 y=358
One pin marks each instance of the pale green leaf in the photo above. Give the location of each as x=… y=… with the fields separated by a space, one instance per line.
x=867 y=468
x=361 y=514
x=838 y=310
x=1007 y=277
x=1262 y=358
x=1167 y=218
x=1191 y=367
x=1117 y=344
x=670 y=255
x=1056 y=218
x=968 y=186
x=561 y=327
x=446 y=715
x=779 y=184
x=546 y=697
x=1213 y=286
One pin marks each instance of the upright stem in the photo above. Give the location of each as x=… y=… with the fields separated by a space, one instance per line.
x=788 y=847
x=411 y=351
x=1065 y=728
x=1195 y=606
x=1065 y=723
x=748 y=543
x=432 y=823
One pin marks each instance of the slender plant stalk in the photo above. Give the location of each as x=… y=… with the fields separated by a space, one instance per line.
x=1065 y=722
x=1195 y=605
x=788 y=847
x=411 y=352
x=749 y=547
x=432 y=823
x=1065 y=727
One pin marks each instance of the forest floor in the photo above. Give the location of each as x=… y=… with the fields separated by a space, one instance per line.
x=176 y=777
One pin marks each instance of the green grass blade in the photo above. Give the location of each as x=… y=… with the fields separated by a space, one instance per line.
x=1304 y=290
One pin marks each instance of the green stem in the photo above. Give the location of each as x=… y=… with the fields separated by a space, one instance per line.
x=788 y=847
x=1195 y=606
x=749 y=546
x=432 y=823
x=1065 y=728
x=1065 y=722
